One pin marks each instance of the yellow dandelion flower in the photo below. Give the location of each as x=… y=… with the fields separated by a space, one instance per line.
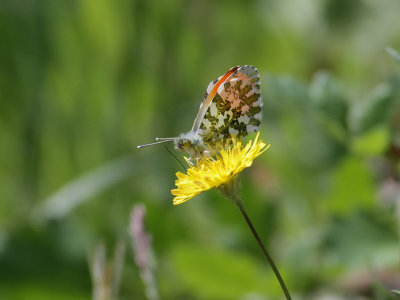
x=209 y=172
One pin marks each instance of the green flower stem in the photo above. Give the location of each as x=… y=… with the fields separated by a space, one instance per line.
x=231 y=190
x=266 y=254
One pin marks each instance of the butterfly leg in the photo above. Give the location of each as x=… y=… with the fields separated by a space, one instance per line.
x=190 y=160
x=208 y=155
x=197 y=161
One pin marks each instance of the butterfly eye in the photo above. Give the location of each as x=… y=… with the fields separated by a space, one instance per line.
x=182 y=144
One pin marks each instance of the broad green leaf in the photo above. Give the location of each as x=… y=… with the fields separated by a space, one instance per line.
x=372 y=142
x=352 y=187
x=366 y=234
x=328 y=96
x=218 y=274
x=375 y=109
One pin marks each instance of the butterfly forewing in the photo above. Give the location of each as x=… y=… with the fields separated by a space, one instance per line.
x=235 y=108
x=212 y=90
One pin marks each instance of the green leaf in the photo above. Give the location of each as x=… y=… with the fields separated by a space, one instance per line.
x=376 y=109
x=372 y=237
x=352 y=187
x=328 y=96
x=394 y=54
x=373 y=142
x=40 y=291
x=217 y=274
x=77 y=191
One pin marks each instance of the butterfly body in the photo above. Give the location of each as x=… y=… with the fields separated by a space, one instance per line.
x=232 y=107
x=191 y=143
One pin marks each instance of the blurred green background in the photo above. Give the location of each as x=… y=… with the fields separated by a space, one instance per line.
x=83 y=82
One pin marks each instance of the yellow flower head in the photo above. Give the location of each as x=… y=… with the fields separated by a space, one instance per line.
x=209 y=172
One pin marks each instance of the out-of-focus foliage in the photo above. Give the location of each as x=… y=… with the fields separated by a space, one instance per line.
x=83 y=82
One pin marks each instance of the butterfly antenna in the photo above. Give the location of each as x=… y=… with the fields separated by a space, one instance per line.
x=155 y=143
x=169 y=151
x=166 y=139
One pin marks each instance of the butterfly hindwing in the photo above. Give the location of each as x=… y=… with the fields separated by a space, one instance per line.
x=235 y=109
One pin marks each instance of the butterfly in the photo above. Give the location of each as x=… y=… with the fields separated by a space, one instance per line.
x=232 y=107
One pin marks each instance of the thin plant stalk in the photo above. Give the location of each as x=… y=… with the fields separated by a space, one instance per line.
x=143 y=253
x=264 y=250
x=231 y=190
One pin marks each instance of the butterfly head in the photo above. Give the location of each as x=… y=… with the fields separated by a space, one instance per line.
x=190 y=143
